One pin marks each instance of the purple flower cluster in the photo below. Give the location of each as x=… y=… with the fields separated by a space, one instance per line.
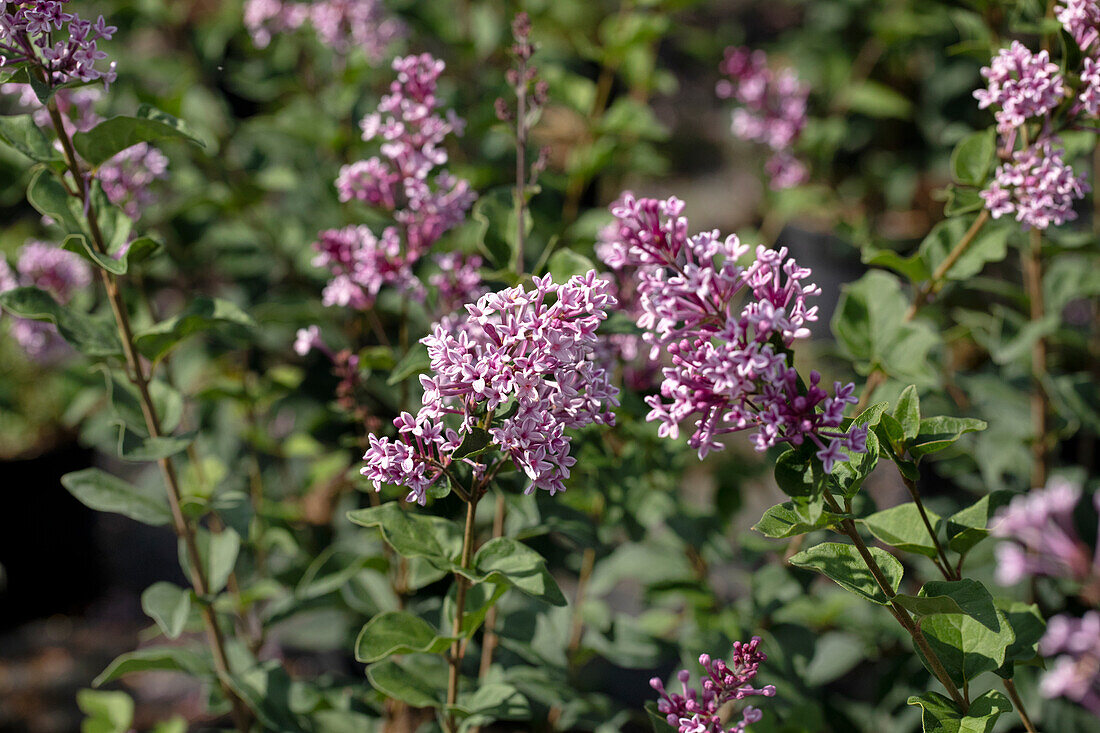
x=61 y=274
x=30 y=33
x=692 y=712
x=1041 y=538
x=1075 y=673
x=343 y=25
x=1022 y=85
x=526 y=354
x=360 y=264
x=458 y=281
x=412 y=134
x=127 y=176
x=1081 y=19
x=772 y=111
x=729 y=363
x=1037 y=186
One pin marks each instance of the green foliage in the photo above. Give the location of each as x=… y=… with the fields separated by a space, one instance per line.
x=940 y=715
x=843 y=564
x=116 y=134
x=972 y=158
x=201 y=315
x=89 y=335
x=168 y=605
x=902 y=527
x=105 y=493
x=398 y=632
x=108 y=712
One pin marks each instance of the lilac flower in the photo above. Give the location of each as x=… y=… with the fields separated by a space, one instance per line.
x=361 y=264
x=772 y=111
x=458 y=281
x=58 y=272
x=532 y=347
x=1041 y=538
x=412 y=134
x=692 y=712
x=729 y=365
x=1022 y=84
x=126 y=177
x=75 y=105
x=343 y=25
x=1080 y=19
x=1088 y=96
x=1075 y=673
x=31 y=33
x=307 y=339
x=1038 y=187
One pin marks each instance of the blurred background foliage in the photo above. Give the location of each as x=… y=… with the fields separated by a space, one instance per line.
x=653 y=551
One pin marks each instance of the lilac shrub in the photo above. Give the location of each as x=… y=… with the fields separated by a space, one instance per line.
x=63 y=45
x=730 y=364
x=1074 y=645
x=343 y=25
x=708 y=711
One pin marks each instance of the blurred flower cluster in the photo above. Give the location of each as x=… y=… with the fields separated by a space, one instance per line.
x=58 y=272
x=343 y=25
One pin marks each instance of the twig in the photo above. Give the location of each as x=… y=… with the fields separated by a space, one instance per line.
x=1013 y=695
x=458 y=649
x=1033 y=283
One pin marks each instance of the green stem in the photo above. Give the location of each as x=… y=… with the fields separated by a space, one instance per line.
x=242 y=717
x=458 y=649
x=1013 y=695
x=946 y=568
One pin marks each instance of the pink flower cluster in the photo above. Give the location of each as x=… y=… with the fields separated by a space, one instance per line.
x=692 y=712
x=1022 y=85
x=56 y=271
x=343 y=25
x=772 y=111
x=30 y=33
x=526 y=354
x=1040 y=538
x=1037 y=187
x=730 y=367
x=458 y=281
x=412 y=134
x=1081 y=19
x=360 y=264
x=1075 y=673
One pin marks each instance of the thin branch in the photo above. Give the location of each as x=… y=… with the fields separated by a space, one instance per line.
x=458 y=649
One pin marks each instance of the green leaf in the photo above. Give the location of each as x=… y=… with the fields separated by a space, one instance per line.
x=970 y=526
x=46 y=194
x=116 y=134
x=398 y=632
x=166 y=658
x=902 y=527
x=782 y=520
x=168 y=605
x=90 y=336
x=921 y=606
x=108 y=712
x=218 y=552
x=848 y=476
x=966 y=646
x=409 y=681
x=907 y=412
x=24 y=135
x=140 y=449
x=504 y=560
x=126 y=402
x=105 y=493
x=409 y=533
x=1028 y=625
x=476 y=441
x=970 y=596
x=495 y=214
x=936 y=433
x=941 y=715
x=871 y=329
x=989 y=245
x=201 y=314
x=794 y=473
x=490 y=702
x=565 y=263
x=973 y=157
x=139 y=250
x=961 y=201
x=913 y=268
x=415 y=361
x=843 y=564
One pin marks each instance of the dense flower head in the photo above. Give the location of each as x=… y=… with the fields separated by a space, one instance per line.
x=1037 y=186
x=52 y=269
x=63 y=45
x=360 y=264
x=1088 y=96
x=1081 y=19
x=772 y=111
x=458 y=281
x=729 y=368
x=343 y=25
x=1040 y=537
x=1075 y=672
x=693 y=711
x=526 y=355
x=1022 y=85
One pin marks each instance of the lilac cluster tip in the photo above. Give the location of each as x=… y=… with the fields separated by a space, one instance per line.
x=693 y=711
x=63 y=45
